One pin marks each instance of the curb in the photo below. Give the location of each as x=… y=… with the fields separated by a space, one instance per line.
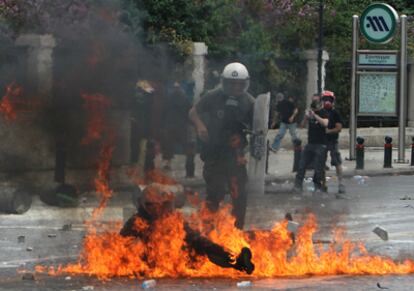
x=199 y=182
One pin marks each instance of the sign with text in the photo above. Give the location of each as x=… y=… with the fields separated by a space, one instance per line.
x=377 y=59
x=377 y=94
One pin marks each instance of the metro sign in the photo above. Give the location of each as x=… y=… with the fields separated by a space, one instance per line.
x=378 y=22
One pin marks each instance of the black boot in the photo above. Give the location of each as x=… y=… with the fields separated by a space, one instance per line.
x=243 y=261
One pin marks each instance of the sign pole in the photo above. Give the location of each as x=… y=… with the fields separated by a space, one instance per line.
x=353 y=121
x=403 y=85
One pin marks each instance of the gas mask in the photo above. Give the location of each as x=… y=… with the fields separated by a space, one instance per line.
x=327 y=102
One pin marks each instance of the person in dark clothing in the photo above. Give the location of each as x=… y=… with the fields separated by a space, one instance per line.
x=286 y=111
x=315 y=149
x=334 y=128
x=221 y=118
x=177 y=129
x=154 y=204
x=142 y=145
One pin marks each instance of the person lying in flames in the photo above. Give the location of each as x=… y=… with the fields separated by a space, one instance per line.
x=154 y=204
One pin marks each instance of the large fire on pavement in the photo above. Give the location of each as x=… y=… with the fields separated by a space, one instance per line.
x=107 y=254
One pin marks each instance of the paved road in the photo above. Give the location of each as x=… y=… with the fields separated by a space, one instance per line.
x=383 y=201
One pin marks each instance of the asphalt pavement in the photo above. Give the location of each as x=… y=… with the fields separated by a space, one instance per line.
x=375 y=197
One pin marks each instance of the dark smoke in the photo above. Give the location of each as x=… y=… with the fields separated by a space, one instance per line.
x=97 y=51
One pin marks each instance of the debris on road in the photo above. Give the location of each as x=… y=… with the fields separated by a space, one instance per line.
x=382 y=233
x=149 y=284
x=361 y=179
x=21 y=239
x=244 y=284
x=67 y=227
x=28 y=276
x=381 y=287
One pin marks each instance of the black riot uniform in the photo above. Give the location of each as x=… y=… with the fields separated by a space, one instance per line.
x=226 y=118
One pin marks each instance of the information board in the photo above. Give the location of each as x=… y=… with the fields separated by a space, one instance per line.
x=377 y=94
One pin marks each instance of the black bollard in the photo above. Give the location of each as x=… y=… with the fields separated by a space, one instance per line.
x=388 y=152
x=412 y=151
x=359 y=151
x=297 y=149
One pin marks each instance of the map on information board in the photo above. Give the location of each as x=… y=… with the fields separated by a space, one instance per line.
x=377 y=94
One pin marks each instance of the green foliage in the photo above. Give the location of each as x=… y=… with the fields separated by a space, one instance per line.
x=269 y=36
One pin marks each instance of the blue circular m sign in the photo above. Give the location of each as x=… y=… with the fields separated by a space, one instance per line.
x=378 y=22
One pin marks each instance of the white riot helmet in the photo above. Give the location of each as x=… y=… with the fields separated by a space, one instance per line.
x=235 y=79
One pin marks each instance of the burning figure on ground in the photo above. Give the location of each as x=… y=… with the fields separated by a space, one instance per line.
x=221 y=118
x=154 y=204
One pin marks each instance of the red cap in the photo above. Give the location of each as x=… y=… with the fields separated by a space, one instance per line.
x=328 y=94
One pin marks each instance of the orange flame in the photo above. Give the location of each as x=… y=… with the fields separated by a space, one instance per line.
x=107 y=254
x=102 y=179
x=96 y=105
x=12 y=103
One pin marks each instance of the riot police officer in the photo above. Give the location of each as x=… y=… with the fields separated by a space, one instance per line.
x=221 y=118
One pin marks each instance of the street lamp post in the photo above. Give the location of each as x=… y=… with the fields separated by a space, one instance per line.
x=320 y=47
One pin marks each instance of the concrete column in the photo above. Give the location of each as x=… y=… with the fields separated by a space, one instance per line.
x=311 y=57
x=200 y=50
x=410 y=93
x=40 y=61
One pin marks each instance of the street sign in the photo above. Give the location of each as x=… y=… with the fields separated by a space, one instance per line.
x=378 y=22
x=387 y=60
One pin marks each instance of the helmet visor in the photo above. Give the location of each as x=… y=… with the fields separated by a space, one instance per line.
x=235 y=87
